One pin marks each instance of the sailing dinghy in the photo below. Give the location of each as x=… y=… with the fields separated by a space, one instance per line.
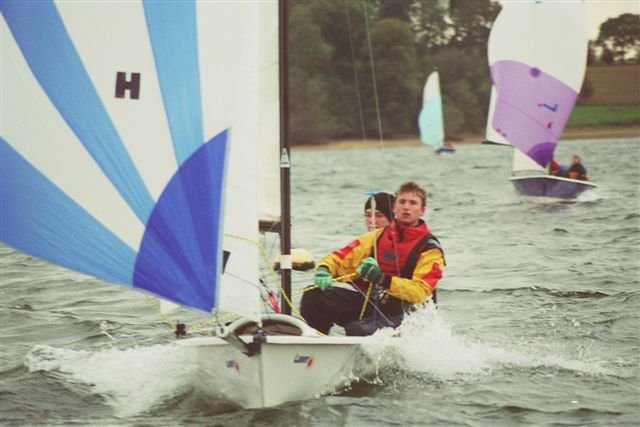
x=131 y=146
x=430 y=120
x=537 y=56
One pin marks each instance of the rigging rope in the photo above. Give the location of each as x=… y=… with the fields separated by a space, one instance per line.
x=374 y=304
x=373 y=72
x=218 y=319
x=355 y=72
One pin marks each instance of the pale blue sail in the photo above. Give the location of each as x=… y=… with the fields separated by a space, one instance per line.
x=430 y=120
x=116 y=133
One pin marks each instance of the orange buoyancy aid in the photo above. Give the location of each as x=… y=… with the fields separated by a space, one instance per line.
x=411 y=256
x=395 y=244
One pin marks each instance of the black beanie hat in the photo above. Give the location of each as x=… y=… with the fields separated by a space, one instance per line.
x=384 y=203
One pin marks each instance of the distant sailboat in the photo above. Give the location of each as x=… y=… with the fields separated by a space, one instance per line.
x=430 y=120
x=537 y=56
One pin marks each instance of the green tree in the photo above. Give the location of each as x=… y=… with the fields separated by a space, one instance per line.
x=401 y=10
x=466 y=86
x=621 y=36
x=431 y=27
x=454 y=40
x=591 y=54
x=471 y=21
x=395 y=74
x=343 y=28
x=607 y=56
x=586 y=90
x=333 y=84
x=308 y=56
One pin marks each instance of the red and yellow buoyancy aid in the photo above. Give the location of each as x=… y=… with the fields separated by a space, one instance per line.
x=394 y=247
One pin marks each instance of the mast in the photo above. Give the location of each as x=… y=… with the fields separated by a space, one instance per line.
x=285 y=187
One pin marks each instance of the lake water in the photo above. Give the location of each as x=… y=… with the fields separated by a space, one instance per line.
x=538 y=320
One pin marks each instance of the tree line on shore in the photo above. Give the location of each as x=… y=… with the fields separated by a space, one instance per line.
x=356 y=68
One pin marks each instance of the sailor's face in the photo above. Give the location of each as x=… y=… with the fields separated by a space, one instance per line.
x=373 y=218
x=408 y=209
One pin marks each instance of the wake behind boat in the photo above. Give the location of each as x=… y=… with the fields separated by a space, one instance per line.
x=133 y=136
x=536 y=77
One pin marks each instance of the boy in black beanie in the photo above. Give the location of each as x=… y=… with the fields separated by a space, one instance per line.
x=378 y=210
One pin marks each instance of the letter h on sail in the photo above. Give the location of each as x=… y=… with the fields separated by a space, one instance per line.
x=132 y=85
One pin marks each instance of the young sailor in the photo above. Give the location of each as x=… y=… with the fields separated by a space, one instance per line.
x=397 y=266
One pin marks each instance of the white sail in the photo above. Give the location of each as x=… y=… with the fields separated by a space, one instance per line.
x=522 y=163
x=430 y=120
x=269 y=116
x=548 y=34
x=492 y=135
x=240 y=34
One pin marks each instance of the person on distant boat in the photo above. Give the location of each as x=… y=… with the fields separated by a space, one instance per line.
x=557 y=169
x=382 y=214
x=447 y=147
x=397 y=266
x=577 y=170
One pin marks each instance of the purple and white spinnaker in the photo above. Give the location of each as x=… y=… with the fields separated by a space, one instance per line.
x=537 y=58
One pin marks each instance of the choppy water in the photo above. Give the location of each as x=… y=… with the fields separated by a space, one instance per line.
x=538 y=320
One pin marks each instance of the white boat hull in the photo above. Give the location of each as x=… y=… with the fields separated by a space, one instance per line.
x=288 y=368
x=292 y=362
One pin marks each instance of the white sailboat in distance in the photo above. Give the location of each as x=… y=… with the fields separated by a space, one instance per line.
x=431 y=120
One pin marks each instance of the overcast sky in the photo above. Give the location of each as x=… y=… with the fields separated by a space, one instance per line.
x=599 y=11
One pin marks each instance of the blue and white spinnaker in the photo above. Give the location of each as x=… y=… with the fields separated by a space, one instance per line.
x=128 y=140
